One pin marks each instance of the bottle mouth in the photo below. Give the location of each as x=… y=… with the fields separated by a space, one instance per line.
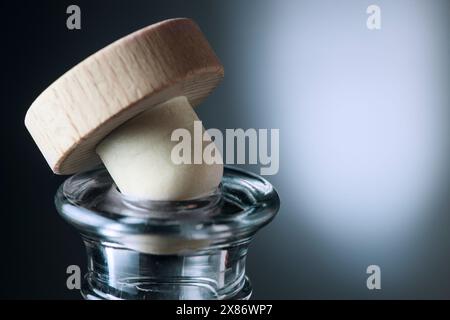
x=239 y=207
x=97 y=191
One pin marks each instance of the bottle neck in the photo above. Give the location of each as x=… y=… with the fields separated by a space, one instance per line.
x=117 y=272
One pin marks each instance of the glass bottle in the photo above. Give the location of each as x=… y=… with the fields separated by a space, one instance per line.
x=193 y=249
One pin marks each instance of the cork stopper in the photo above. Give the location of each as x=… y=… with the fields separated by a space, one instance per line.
x=134 y=74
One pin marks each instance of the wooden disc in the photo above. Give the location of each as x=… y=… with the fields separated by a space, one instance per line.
x=168 y=59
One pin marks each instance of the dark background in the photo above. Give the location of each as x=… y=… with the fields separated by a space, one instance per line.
x=300 y=66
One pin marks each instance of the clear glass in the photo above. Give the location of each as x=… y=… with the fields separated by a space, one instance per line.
x=193 y=249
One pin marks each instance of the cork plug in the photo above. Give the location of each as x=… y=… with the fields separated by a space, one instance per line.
x=121 y=105
x=138 y=156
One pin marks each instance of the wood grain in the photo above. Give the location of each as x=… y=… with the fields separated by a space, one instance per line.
x=148 y=67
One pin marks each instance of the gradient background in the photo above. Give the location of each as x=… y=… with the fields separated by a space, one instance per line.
x=364 y=128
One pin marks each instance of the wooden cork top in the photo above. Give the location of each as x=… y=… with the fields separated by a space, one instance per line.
x=148 y=67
